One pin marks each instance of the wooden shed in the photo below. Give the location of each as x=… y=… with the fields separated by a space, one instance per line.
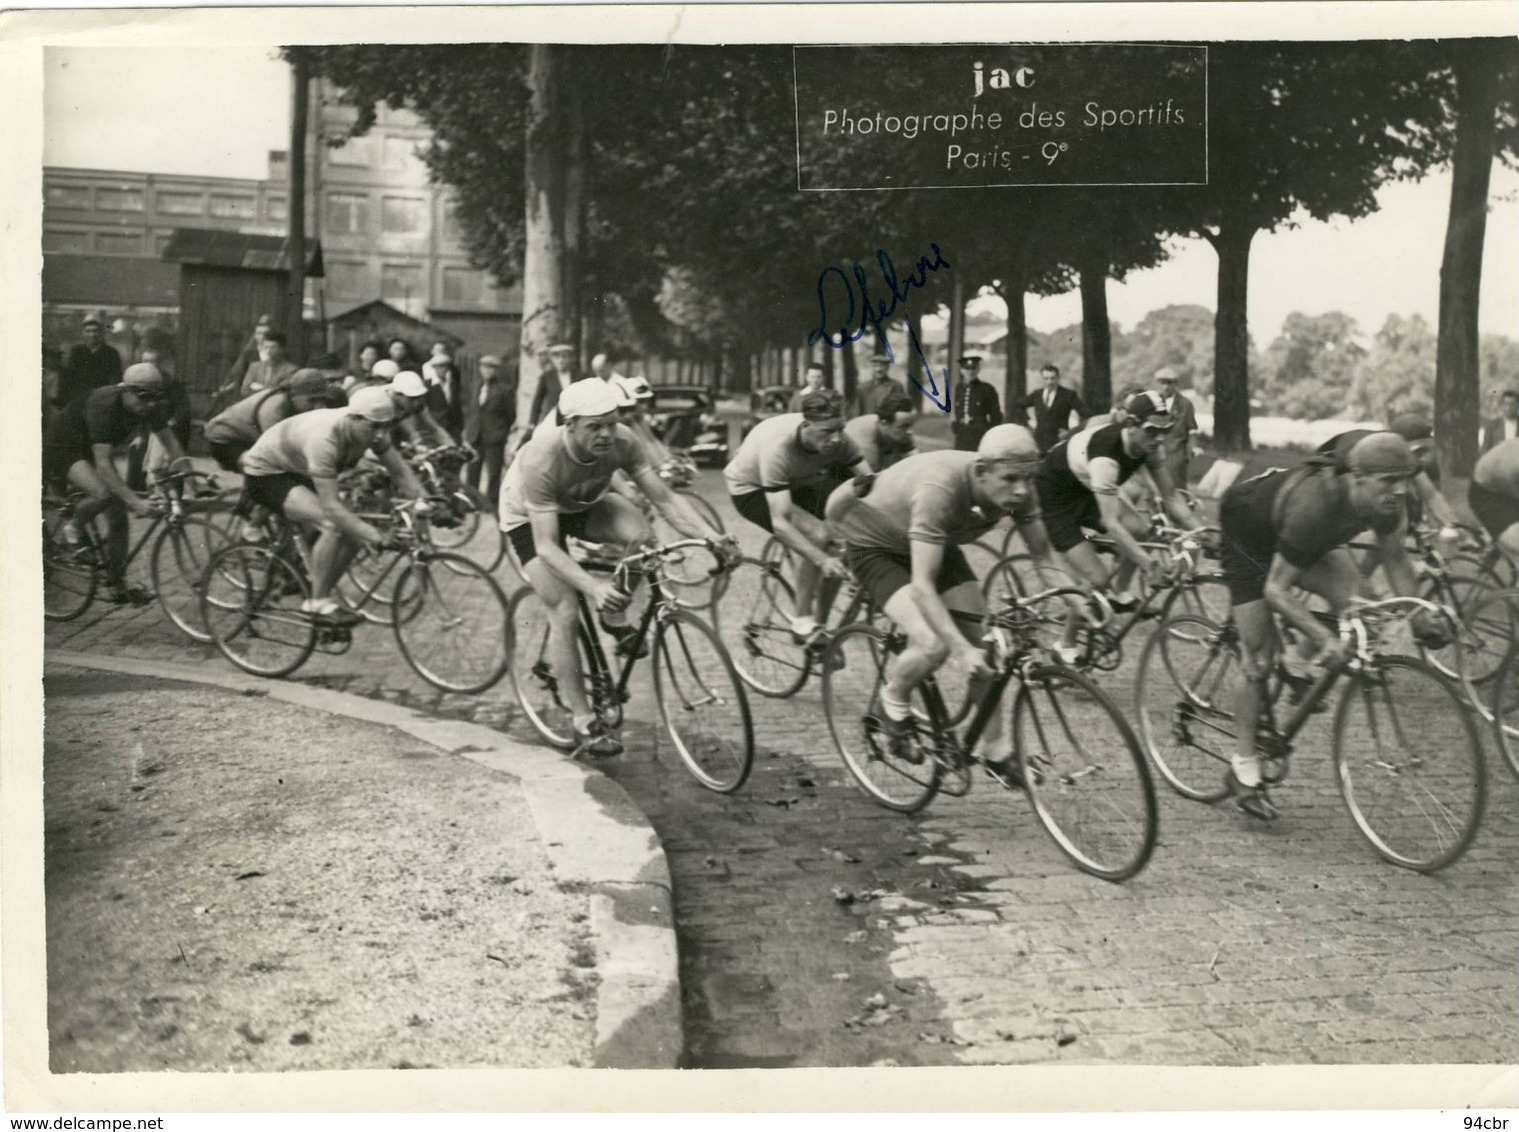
x=226 y=281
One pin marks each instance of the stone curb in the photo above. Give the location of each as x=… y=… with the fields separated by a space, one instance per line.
x=593 y=834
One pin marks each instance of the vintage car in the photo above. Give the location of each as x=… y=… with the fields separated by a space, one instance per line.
x=769 y=401
x=685 y=418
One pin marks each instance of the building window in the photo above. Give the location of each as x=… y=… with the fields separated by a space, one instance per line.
x=232 y=208
x=118 y=243
x=401 y=154
x=403 y=216
x=347 y=214
x=275 y=210
x=119 y=200
x=67 y=196
x=69 y=243
x=401 y=282
x=160 y=242
x=354 y=151
x=181 y=204
x=463 y=285
x=348 y=280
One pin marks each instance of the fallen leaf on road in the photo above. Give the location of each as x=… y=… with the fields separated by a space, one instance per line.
x=855 y=937
x=783 y=803
x=845 y=858
x=248 y=875
x=841 y=895
x=1064 y=1038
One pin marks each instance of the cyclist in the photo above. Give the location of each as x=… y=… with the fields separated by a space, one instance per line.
x=885 y=436
x=558 y=486
x=1284 y=529
x=779 y=481
x=902 y=541
x=293 y=469
x=1079 y=486
x=79 y=451
x=1494 y=495
x=413 y=420
x=233 y=431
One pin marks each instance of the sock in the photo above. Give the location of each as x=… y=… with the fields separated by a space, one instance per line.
x=803 y=625
x=1248 y=771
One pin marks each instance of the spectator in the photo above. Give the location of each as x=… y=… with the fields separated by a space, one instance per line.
x=272 y=368
x=812 y=381
x=92 y=364
x=369 y=353
x=977 y=406
x=1504 y=427
x=880 y=386
x=246 y=356
x=439 y=350
x=558 y=376
x=1053 y=411
x=399 y=352
x=52 y=383
x=444 y=396
x=1176 y=441
x=489 y=413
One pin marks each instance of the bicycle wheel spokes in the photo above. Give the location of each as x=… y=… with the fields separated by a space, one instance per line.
x=1486 y=620
x=1185 y=690
x=181 y=554
x=1504 y=705
x=68 y=577
x=687 y=573
x=369 y=584
x=1409 y=764
x=251 y=607
x=534 y=681
x=702 y=703
x=1084 y=772
x=753 y=619
x=450 y=623
x=854 y=671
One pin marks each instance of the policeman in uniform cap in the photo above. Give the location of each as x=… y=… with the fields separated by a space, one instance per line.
x=976 y=405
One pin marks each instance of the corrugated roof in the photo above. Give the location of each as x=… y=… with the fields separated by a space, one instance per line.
x=214 y=247
x=109 y=280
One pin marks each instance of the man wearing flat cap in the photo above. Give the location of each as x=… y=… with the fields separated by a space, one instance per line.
x=92 y=364
x=555 y=378
x=490 y=410
x=977 y=406
x=1176 y=442
x=878 y=388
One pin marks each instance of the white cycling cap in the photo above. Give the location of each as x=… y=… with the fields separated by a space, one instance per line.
x=384 y=369
x=409 y=384
x=591 y=397
x=1011 y=444
x=372 y=403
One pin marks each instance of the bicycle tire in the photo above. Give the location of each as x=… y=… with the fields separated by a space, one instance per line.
x=753 y=620
x=450 y=623
x=854 y=670
x=177 y=566
x=688 y=577
x=704 y=508
x=1013 y=575
x=1504 y=709
x=1184 y=691
x=1087 y=751
x=693 y=671
x=250 y=605
x=533 y=680
x=68 y=584
x=1488 y=627
x=1429 y=721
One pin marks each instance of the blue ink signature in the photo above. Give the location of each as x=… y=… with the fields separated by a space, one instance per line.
x=875 y=312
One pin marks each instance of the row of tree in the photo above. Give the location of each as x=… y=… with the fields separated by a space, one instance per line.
x=650 y=192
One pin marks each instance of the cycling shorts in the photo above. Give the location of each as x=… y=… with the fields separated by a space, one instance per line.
x=571 y=525
x=1496 y=512
x=1066 y=510
x=883 y=572
x=272 y=490
x=753 y=505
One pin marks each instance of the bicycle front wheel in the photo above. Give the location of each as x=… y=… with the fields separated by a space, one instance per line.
x=1486 y=627
x=1409 y=764
x=702 y=703
x=854 y=673
x=181 y=553
x=250 y=604
x=535 y=682
x=69 y=579
x=753 y=619
x=450 y=623
x=1084 y=772
x=1185 y=688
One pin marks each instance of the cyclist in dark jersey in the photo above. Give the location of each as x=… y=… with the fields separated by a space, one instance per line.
x=1286 y=530
x=235 y=429
x=1426 y=495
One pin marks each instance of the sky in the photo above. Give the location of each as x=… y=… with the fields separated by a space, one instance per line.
x=148 y=110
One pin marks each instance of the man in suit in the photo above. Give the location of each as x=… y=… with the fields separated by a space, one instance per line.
x=445 y=395
x=271 y=370
x=92 y=364
x=490 y=411
x=1056 y=411
x=876 y=390
x=977 y=406
x=1506 y=427
x=558 y=376
x=812 y=381
x=1176 y=441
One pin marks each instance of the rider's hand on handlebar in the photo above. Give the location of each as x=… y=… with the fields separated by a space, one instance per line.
x=1332 y=650
x=608 y=597
x=972 y=659
x=726 y=551
x=834 y=568
x=1430 y=629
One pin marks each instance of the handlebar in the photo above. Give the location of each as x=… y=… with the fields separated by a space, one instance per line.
x=633 y=561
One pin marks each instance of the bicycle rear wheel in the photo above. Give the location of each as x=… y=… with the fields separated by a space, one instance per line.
x=1084 y=772
x=69 y=578
x=534 y=681
x=1409 y=764
x=1487 y=620
x=753 y=617
x=450 y=623
x=854 y=672
x=250 y=605
x=1185 y=690
x=687 y=573
x=702 y=703
x=181 y=553
x=1012 y=576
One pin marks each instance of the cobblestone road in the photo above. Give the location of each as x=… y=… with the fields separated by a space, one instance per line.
x=817 y=929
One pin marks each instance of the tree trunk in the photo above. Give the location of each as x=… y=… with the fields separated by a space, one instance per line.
x=1096 y=339
x=851 y=372
x=717 y=376
x=1231 y=338
x=553 y=222
x=913 y=363
x=956 y=332
x=1457 y=367
x=744 y=378
x=1016 y=384
x=828 y=367
x=295 y=298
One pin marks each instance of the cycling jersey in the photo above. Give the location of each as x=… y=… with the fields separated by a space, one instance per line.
x=772 y=458
x=247 y=420
x=100 y=417
x=545 y=477
x=880 y=451
x=313 y=445
x=1074 y=473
